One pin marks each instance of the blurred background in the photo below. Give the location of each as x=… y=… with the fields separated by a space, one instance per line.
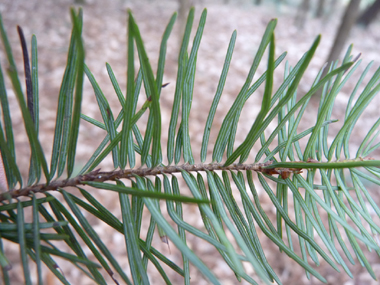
x=341 y=22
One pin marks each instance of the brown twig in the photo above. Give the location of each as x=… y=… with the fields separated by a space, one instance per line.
x=99 y=176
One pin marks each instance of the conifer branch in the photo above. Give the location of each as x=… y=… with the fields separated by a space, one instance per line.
x=269 y=167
